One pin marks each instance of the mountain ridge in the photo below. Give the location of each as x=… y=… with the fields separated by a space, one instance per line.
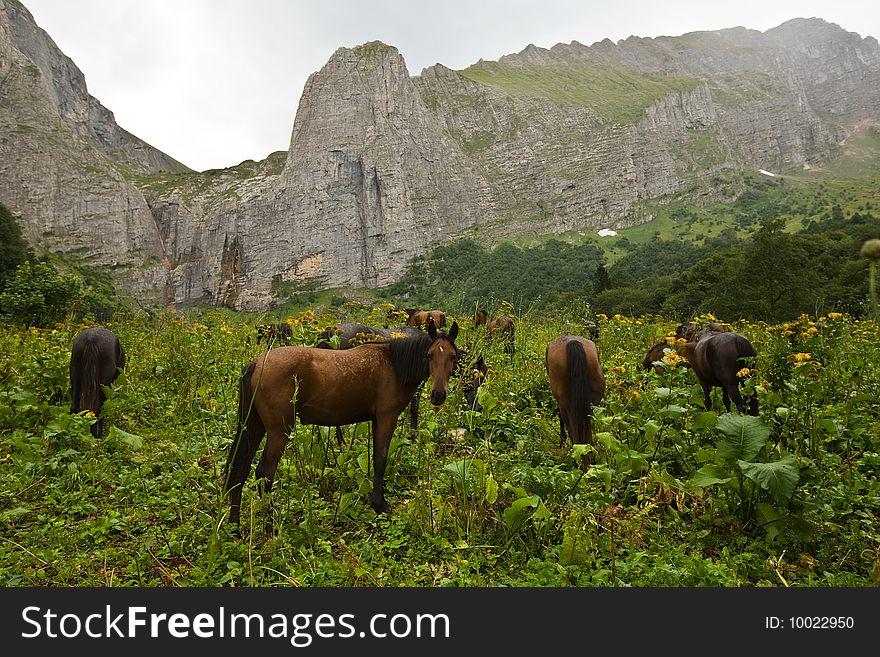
x=382 y=164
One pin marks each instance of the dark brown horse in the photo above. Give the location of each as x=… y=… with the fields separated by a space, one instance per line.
x=693 y=332
x=419 y=318
x=274 y=333
x=717 y=359
x=503 y=324
x=654 y=357
x=577 y=383
x=95 y=360
x=328 y=387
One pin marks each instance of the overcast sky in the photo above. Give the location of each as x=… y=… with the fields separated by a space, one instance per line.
x=216 y=82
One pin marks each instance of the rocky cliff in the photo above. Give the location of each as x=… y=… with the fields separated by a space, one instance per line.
x=382 y=164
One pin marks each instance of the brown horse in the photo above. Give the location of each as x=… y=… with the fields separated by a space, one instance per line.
x=504 y=324
x=693 y=332
x=419 y=318
x=328 y=387
x=95 y=360
x=352 y=334
x=658 y=351
x=577 y=383
x=716 y=359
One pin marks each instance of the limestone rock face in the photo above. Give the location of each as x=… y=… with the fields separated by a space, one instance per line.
x=56 y=176
x=382 y=165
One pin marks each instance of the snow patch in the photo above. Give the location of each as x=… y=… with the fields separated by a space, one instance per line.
x=767 y=173
x=607 y=232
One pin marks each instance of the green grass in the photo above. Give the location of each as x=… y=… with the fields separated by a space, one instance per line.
x=613 y=92
x=480 y=499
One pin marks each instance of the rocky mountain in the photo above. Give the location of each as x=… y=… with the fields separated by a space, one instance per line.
x=383 y=164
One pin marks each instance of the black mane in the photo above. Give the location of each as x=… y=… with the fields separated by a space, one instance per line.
x=408 y=357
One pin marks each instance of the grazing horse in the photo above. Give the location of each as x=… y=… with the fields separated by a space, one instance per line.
x=716 y=359
x=419 y=318
x=329 y=387
x=658 y=351
x=272 y=333
x=95 y=360
x=504 y=324
x=693 y=332
x=577 y=383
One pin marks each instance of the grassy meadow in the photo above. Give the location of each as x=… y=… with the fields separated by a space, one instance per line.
x=676 y=496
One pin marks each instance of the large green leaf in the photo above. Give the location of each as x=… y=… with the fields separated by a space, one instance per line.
x=745 y=435
x=518 y=512
x=132 y=440
x=779 y=478
x=709 y=475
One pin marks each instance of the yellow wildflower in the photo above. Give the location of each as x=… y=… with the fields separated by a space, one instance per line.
x=834 y=315
x=800 y=358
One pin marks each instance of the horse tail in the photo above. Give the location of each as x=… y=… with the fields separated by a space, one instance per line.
x=579 y=390
x=90 y=395
x=241 y=451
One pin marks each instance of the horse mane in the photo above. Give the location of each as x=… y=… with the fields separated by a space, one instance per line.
x=407 y=357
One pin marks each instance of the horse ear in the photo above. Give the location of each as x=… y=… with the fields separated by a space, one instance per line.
x=480 y=364
x=432 y=330
x=453 y=332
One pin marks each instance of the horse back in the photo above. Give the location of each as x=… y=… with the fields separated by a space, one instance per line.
x=327 y=387
x=558 y=361
x=718 y=356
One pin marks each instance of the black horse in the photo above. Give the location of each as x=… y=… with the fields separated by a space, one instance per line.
x=95 y=360
x=274 y=334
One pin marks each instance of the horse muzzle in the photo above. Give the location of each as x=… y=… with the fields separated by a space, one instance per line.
x=438 y=397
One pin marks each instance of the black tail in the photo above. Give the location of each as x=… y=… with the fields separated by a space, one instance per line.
x=579 y=408
x=242 y=450
x=90 y=394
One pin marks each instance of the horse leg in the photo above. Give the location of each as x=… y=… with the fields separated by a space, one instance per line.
x=725 y=397
x=383 y=429
x=736 y=396
x=276 y=441
x=561 y=429
x=707 y=395
x=339 y=438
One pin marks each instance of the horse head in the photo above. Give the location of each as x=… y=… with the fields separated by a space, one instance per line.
x=442 y=355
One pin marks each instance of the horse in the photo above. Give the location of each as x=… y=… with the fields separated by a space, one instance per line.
x=96 y=357
x=577 y=383
x=272 y=333
x=502 y=323
x=693 y=332
x=329 y=387
x=352 y=334
x=716 y=360
x=655 y=355
x=419 y=318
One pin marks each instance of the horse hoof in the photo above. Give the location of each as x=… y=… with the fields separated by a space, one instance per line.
x=383 y=508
